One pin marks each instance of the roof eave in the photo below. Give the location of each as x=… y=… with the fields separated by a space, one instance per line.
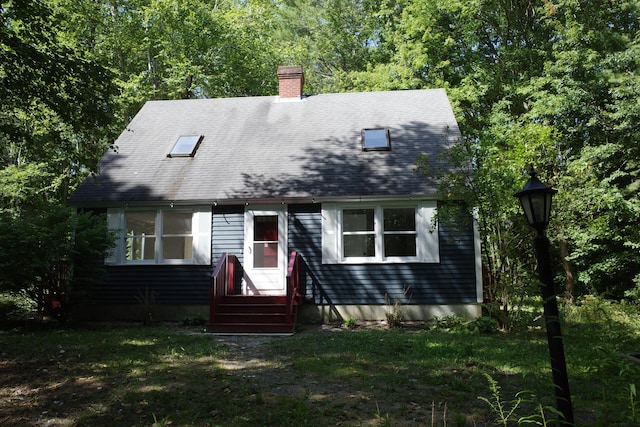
x=257 y=201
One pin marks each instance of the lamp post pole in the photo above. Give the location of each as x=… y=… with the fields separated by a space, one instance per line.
x=554 y=334
x=535 y=199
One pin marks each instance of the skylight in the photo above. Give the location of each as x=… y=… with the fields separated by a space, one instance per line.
x=376 y=139
x=186 y=146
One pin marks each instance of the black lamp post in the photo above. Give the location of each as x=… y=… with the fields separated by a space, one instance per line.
x=535 y=198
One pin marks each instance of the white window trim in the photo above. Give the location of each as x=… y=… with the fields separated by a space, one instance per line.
x=200 y=227
x=427 y=241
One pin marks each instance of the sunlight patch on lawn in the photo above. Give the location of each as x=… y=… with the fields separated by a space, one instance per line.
x=235 y=365
x=88 y=384
x=150 y=388
x=318 y=396
x=58 y=422
x=509 y=370
x=433 y=344
x=347 y=371
x=138 y=342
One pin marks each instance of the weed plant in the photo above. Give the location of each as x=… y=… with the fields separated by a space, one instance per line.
x=350 y=323
x=394 y=314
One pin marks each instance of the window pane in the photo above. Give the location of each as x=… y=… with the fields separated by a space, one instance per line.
x=399 y=219
x=357 y=220
x=265 y=228
x=177 y=223
x=139 y=223
x=375 y=139
x=360 y=245
x=400 y=245
x=185 y=145
x=140 y=243
x=177 y=247
x=140 y=248
x=265 y=255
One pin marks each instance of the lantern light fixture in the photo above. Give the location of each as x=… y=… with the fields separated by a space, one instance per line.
x=535 y=198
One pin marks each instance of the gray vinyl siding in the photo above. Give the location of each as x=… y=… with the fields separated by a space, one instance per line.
x=164 y=284
x=176 y=284
x=228 y=232
x=172 y=284
x=450 y=281
x=160 y=284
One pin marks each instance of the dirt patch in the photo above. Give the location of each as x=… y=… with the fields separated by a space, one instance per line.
x=245 y=352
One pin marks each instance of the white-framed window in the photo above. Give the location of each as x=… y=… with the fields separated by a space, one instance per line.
x=161 y=236
x=356 y=233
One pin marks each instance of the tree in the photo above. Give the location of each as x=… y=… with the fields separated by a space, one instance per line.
x=335 y=39
x=589 y=94
x=55 y=124
x=170 y=49
x=56 y=107
x=555 y=85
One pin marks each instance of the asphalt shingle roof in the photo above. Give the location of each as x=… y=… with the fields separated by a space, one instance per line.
x=271 y=148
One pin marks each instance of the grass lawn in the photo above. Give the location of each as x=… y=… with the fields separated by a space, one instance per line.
x=322 y=376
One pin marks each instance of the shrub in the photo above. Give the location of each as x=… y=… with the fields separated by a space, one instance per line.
x=14 y=308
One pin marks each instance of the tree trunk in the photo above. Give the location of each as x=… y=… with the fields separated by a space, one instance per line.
x=569 y=271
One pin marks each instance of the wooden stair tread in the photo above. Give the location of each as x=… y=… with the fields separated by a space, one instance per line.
x=251 y=314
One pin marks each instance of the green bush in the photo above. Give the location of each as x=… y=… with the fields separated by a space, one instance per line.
x=40 y=247
x=13 y=308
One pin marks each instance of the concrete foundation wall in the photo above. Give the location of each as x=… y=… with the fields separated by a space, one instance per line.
x=311 y=313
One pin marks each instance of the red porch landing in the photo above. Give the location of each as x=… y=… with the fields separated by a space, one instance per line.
x=252 y=314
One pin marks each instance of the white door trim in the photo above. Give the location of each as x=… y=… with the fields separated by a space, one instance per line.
x=265 y=281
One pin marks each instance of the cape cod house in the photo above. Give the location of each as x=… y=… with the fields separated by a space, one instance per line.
x=233 y=207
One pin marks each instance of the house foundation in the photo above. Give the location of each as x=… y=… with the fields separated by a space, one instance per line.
x=308 y=313
x=312 y=313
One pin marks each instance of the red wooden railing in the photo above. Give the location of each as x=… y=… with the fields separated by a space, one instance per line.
x=222 y=281
x=293 y=285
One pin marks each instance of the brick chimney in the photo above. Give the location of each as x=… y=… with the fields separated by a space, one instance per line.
x=291 y=81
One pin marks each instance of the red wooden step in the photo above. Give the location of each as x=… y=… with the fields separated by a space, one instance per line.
x=255 y=308
x=246 y=314
x=254 y=299
x=243 y=317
